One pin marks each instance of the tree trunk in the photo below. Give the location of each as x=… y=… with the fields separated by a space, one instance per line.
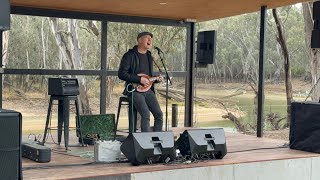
x=44 y=64
x=26 y=82
x=314 y=54
x=5 y=46
x=60 y=60
x=277 y=66
x=110 y=81
x=93 y=27
x=77 y=60
x=44 y=53
x=287 y=70
x=214 y=72
x=72 y=57
x=62 y=44
x=5 y=51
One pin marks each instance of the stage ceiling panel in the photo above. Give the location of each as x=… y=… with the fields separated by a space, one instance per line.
x=200 y=10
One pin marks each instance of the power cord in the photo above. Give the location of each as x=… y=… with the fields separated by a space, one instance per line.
x=62 y=153
x=57 y=166
x=36 y=138
x=52 y=137
x=257 y=149
x=49 y=129
x=187 y=159
x=195 y=158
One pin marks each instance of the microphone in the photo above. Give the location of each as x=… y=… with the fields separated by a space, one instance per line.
x=157 y=48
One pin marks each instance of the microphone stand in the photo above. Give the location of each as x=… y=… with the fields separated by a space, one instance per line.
x=167 y=84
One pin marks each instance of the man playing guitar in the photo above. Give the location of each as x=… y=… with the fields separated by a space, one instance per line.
x=136 y=67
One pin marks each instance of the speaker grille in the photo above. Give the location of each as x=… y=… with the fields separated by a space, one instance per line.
x=10 y=151
x=141 y=147
x=9 y=166
x=10 y=132
x=206 y=47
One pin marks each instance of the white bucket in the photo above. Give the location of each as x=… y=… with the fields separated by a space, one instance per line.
x=107 y=151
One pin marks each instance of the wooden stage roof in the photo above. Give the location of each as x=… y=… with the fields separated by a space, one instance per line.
x=199 y=10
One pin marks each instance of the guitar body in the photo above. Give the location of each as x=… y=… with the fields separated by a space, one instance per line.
x=141 y=88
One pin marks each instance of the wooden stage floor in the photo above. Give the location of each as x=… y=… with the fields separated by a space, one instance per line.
x=241 y=149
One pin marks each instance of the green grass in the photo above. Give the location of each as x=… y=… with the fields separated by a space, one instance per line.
x=274 y=102
x=33 y=132
x=225 y=123
x=208 y=112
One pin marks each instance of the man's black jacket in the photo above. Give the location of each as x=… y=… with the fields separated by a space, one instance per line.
x=129 y=66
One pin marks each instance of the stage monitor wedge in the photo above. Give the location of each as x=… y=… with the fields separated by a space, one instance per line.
x=197 y=142
x=4 y=15
x=206 y=47
x=149 y=147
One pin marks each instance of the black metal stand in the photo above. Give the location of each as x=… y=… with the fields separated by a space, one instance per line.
x=63 y=118
x=127 y=101
x=167 y=84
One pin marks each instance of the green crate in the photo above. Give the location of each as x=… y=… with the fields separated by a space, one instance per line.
x=102 y=124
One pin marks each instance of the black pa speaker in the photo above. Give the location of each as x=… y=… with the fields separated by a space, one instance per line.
x=10 y=146
x=206 y=47
x=5 y=15
x=196 y=142
x=316 y=10
x=315 y=36
x=149 y=147
x=305 y=126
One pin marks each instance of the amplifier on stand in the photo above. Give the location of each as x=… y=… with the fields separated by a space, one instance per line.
x=63 y=87
x=63 y=90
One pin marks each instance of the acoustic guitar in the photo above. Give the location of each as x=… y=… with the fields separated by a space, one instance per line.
x=144 y=88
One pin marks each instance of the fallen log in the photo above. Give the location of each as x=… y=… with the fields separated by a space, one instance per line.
x=235 y=94
x=181 y=94
x=172 y=96
x=171 y=90
x=17 y=91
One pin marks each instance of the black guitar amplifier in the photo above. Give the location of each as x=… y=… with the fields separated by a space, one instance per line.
x=305 y=126
x=63 y=87
x=36 y=152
